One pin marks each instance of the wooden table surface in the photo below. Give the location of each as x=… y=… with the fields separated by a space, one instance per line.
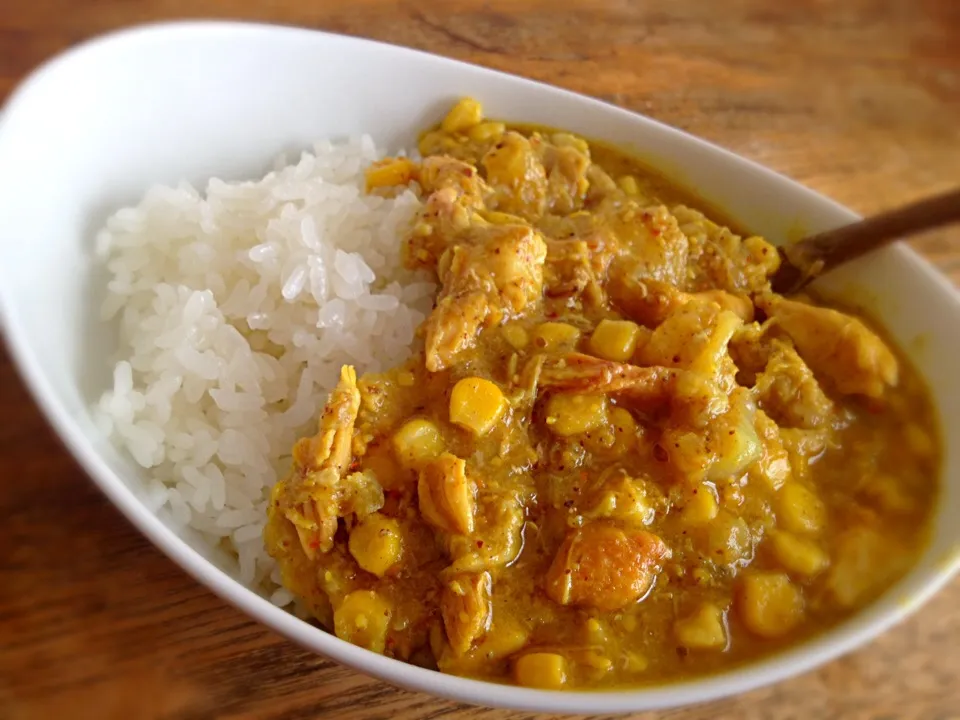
x=859 y=99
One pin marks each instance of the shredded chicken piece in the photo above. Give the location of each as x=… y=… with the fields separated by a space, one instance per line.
x=836 y=346
x=311 y=497
x=492 y=279
x=649 y=388
x=447 y=495
x=789 y=392
x=466 y=610
x=650 y=302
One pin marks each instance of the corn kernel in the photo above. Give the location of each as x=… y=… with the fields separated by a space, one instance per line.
x=594 y=631
x=363 y=619
x=769 y=604
x=463 y=116
x=476 y=404
x=375 y=543
x=575 y=414
x=628 y=183
x=486 y=131
x=797 y=555
x=547 y=671
x=515 y=335
x=799 y=509
x=615 y=340
x=417 y=442
x=702 y=507
x=553 y=336
x=704 y=630
x=388 y=173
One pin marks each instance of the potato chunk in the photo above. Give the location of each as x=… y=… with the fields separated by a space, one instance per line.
x=553 y=336
x=569 y=414
x=797 y=555
x=363 y=619
x=799 y=509
x=476 y=404
x=702 y=507
x=769 y=604
x=547 y=671
x=390 y=172
x=446 y=496
x=376 y=544
x=463 y=116
x=703 y=630
x=601 y=566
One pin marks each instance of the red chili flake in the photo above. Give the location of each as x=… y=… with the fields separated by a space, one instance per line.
x=583 y=476
x=314 y=544
x=479 y=543
x=659 y=453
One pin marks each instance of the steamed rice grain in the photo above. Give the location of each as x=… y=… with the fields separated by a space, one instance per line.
x=237 y=308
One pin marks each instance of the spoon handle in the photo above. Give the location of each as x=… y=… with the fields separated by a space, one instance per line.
x=804 y=260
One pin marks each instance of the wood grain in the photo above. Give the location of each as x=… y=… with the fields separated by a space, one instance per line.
x=860 y=99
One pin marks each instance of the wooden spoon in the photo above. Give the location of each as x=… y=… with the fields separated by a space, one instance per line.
x=804 y=260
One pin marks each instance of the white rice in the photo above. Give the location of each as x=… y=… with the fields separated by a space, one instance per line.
x=237 y=308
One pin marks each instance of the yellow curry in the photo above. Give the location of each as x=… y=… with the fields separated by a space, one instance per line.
x=619 y=458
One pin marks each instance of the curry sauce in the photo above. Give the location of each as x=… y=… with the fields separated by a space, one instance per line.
x=619 y=458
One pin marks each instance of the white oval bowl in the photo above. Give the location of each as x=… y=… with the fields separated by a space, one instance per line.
x=91 y=130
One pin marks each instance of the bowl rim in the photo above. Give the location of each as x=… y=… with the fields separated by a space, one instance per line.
x=796 y=659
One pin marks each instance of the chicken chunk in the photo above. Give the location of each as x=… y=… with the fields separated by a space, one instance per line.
x=517 y=177
x=651 y=302
x=311 y=498
x=466 y=610
x=836 y=346
x=789 y=393
x=725 y=261
x=497 y=538
x=489 y=279
x=447 y=495
x=439 y=222
x=566 y=167
x=603 y=567
x=658 y=249
x=576 y=267
x=439 y=172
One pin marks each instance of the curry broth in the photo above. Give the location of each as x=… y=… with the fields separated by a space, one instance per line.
x=615 y=462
